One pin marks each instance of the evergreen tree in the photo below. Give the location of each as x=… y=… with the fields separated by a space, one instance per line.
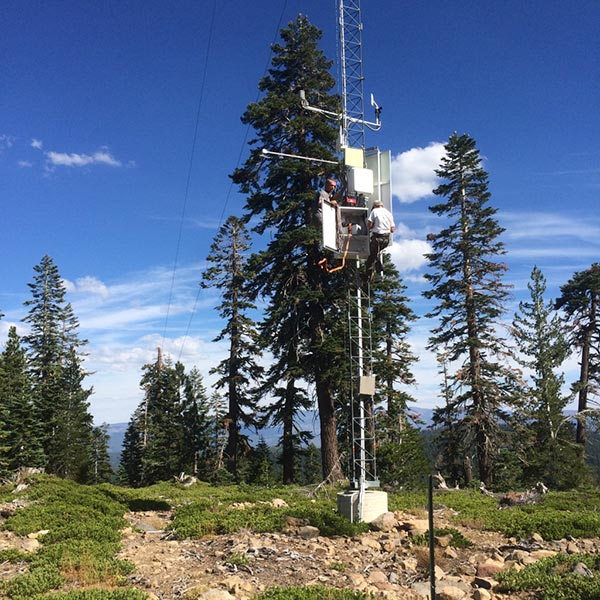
x=101 y=470
x=130 y=466
x=239 y=371
x=452 y=453
x=280 y=198
x=55 y=364
x=310 y=465
x=197 y=453
x=466 y=282
x=20 y=432
x=162 y=429
x=579 y=299
x=260 y=470
x=69 y=447
x=400 y=455
x=538 y=331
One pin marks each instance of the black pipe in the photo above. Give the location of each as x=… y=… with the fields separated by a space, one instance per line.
x=431 y=542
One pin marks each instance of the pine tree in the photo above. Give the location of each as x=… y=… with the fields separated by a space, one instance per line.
x=55 y=365
x=162 y=429
x=69 y=447
x=466 y=282
x=260 y=470
x=280 y=196
x=538 y=331
x=400 y=455
x=131 y=466
x=239 y=371
x=580 y=299
x=197 y=453
x=101 y=470
x=20 y=435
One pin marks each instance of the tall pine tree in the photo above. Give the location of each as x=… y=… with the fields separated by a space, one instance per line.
x=580 y=300
x=546 y=436
x=21 y=429
x=400 y=454
x=239 y=372
x=280 y=198
x=466 y=282
x=54 y=357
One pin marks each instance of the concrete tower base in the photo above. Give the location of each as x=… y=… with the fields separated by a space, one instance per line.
x=375 y=503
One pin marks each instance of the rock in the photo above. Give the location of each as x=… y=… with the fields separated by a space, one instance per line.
x=36 y=534
x=216 y=595
x=572 y=548
x=30 y=545
x=422 y=589
x=293 y=523
x=539 y=554
x=394 y=578
x=308 y=532
x=518 y=555
x=484 y=583
x=582 y=569
x=409 y=564
x=370 y=542
x=536 y=538
x=450 y=552
x=385 y=522
x=416 y=526
x=377 y=576
x=279 y=503
x=237 y=586
x=489 y=568
x=443 y=541
x=450 y=592
x=357 y=580
x=482 y=594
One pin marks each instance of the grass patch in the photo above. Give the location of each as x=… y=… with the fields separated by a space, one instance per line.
x=458 y=540
x=556 y=516
x=552 y=578
x=83 y=524
x=226 y=510
x=310 y=593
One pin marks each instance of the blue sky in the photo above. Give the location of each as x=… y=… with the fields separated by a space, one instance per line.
x=102 y=168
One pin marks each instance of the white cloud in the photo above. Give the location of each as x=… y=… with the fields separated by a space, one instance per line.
x=25 y=164
x=65 y=159
x=413 y=175
x=409 y=255
x=6 y=142
x=37 y=144
x=92 y=285
x=529 y=225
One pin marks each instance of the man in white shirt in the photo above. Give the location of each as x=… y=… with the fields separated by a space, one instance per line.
x=381 y=224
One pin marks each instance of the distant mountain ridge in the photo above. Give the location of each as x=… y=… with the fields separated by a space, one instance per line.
x=309 y=421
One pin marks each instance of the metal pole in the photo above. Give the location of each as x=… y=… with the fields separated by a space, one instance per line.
x=431 y=541
x=361 y=403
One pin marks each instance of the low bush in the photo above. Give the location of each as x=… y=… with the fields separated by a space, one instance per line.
x=553 y=578
x=310 y=593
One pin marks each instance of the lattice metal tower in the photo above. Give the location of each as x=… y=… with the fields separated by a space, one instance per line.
x=353 y=109
x=352 y=134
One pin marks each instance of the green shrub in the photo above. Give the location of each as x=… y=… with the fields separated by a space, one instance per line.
x=118 y=594
x=458 y=539
x=552 y=578
x=38 y=581
x=12 y=555
x=310 y=593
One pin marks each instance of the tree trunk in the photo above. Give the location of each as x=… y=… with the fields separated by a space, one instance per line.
x=330 y=459
x=287 y=443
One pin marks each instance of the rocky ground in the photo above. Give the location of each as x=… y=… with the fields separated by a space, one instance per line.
x=385 y=562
